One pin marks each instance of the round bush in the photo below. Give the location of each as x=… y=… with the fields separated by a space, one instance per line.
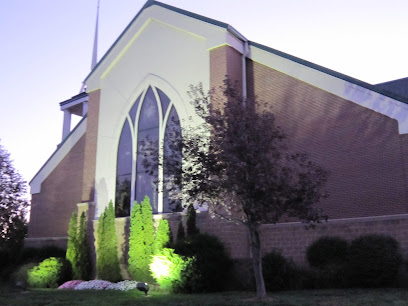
x=277 y=271
x=327 y=251
x=50 y=273
x=210 y=268
x=374 y=261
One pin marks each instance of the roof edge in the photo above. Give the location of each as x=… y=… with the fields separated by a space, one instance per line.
x=329 y=72
x=148 y=4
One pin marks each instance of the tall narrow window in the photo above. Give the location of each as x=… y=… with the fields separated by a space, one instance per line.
x=149 y=125
x=172 y=161
x=154 y=119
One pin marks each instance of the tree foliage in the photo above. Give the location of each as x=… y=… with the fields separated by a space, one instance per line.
x=141 y=240
x=107 y=261
x=237 y=162
x=13 y=205
x=181 y=234
x=84 y=260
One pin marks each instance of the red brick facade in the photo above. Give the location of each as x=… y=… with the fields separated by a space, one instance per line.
x=60 y=192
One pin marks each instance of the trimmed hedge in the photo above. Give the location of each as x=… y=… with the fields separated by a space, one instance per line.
x=374 y=261
x=327 y=251
x=210 y=268
x=50 y=273
x=278 y=271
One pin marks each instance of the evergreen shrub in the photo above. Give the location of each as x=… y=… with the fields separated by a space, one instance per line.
x=374 y=261
x=191 y=221
x=162 y=237
x=278 y=272
x=327 y=251
x=50 y=273
x=210 y=269
x=107 y=261
x=141 y=240
x=181 y=234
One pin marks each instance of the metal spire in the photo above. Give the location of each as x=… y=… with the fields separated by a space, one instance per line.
x=95 y=47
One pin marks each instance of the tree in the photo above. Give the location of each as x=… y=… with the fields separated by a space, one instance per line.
x=107 y=261
x=181 y=234
x=13 y=206
x=141 y=240
x=237 y=162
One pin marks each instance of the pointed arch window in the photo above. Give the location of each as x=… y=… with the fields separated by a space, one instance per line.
x=153 y=116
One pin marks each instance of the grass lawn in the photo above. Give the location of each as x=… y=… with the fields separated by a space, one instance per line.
x=10 y=296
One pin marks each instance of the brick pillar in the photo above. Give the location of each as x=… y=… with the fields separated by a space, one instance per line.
x=91 y=137
x=225 y=61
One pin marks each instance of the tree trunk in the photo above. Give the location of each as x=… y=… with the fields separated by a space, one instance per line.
x=255 y=247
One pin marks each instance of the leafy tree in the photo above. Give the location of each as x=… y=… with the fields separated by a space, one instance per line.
x=141 y=240
x=237 y=162
x=191 y=221
x=162 y=237
x=13 y=206
x=107 y=261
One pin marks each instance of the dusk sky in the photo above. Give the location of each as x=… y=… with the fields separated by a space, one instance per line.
x=47 y=46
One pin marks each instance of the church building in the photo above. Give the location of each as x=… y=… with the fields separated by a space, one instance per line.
x=355 y=130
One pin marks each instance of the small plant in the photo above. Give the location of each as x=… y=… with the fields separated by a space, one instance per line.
x=278 y=272
x=327 y=251
x=374 y=261
x=107 y=261
x=50 y=273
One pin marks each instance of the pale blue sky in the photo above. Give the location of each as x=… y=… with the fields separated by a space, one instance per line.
x=46 y=48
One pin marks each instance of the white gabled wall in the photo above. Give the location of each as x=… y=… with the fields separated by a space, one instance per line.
x=163 y=49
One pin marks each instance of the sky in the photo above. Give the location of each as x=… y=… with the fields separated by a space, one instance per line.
x=46 y=49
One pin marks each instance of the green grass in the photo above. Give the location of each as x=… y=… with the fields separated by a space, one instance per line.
x=11 y=296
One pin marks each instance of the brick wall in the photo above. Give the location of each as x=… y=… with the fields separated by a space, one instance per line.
x=362 y=149
x=60 y=192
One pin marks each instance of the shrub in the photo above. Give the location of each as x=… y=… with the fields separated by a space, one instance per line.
x=327 y=251
x=141 y=240
x=211 y=266
x=50 y=273
x=278 y=272
x=374 y=261
x=107 y=261
x=167 y=268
